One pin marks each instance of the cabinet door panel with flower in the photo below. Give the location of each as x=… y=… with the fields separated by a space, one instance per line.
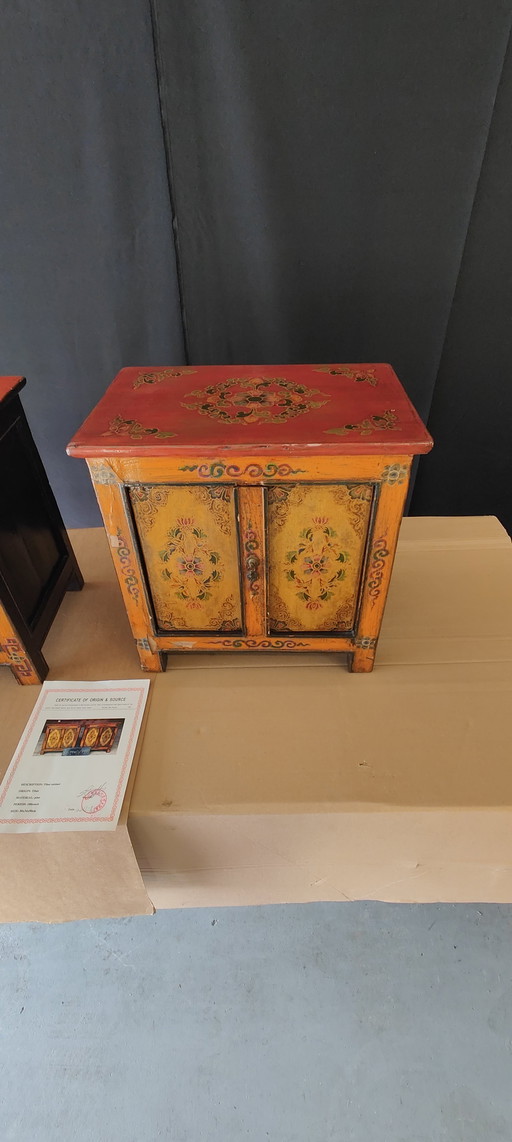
x=189 y=540
x=316 y=542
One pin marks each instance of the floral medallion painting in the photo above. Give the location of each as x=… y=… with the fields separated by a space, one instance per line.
x=316 y=540
x=189 y=541
x=190 y=566
x=255 y=400
x=313 y=565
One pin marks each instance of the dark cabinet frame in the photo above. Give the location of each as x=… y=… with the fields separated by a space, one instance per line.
x=37 y=562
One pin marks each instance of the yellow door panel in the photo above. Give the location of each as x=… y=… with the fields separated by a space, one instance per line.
x=316 y=542
x=189 y=540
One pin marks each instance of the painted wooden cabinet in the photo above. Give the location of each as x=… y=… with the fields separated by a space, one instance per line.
x=59 y=735
x=253 y=508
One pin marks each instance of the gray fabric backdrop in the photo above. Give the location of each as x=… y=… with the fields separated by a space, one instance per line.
x=339 y=173
x=87 y=252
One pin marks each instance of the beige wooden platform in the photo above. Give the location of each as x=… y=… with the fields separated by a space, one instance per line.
x=285 y=778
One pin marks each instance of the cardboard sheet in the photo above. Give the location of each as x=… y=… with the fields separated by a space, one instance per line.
x=294 y=780
x=73 y=876
x=70 y=876
x=285 y=778
x=362 y=853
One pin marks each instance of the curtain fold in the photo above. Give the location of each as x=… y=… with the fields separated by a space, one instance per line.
x=87 y=253
x=470 y=470
x=327 y=160
x=335 y=176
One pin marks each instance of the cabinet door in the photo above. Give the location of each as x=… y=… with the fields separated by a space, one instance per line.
x=189 y=541
x=317 y=537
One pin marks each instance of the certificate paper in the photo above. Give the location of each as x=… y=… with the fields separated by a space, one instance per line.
x=71 y=767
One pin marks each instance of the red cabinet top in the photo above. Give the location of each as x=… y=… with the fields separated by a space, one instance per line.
x=209 y=409
x=10 y=385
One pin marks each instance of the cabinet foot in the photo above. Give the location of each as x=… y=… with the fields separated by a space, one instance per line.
x=362 y=660
x=75 y=581
x=151 y=661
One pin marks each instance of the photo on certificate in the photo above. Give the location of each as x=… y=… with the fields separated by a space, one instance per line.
x=73 y=737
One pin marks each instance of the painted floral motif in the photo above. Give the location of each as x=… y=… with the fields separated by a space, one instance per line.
x=356 y=507
x=102 y=473
x=254 y=400
x=394 y=473
x=225 y=620
x=379 y=422
x=151 y=498
x=356 y=375
x=315 y=566
x=132 y=428
x=362 y=492
x=192 y=568
x=283 y=621
x=216 y=499
x=154 y=377
x=278 y=498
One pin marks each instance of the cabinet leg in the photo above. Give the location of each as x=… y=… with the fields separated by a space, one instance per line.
x=151 y=661
x=28 y=669
x=75 y=581
x=362 y=660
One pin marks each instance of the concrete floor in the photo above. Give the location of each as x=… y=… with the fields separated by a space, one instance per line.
x=299 y=1023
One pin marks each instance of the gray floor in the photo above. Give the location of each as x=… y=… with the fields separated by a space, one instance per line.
x=371 y=1022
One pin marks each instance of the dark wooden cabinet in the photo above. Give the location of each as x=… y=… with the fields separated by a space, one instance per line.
x=37 y=562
